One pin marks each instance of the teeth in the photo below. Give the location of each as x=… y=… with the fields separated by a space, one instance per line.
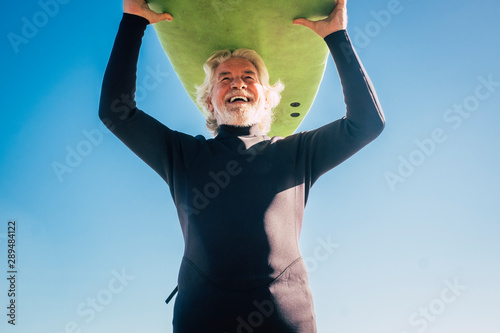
x=238 y=97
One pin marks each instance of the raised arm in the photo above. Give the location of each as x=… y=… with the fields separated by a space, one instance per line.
x=331 y=144
x=119 y=83
x=156 y=144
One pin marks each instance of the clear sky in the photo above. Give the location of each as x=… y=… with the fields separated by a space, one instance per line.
x=412 y=220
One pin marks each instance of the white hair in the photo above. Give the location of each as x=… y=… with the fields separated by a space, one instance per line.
x=271 y=92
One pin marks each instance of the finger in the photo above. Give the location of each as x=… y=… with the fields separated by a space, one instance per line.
x=166 y=17
x=304 y=22
x=158 y=17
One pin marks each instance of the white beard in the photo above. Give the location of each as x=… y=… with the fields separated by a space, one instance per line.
x=241 y=115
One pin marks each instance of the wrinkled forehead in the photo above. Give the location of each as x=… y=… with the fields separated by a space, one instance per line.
x=235 y=66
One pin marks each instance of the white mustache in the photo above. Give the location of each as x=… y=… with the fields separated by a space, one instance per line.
x=229 y=96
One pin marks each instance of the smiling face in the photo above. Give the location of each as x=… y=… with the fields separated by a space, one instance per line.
x=237 y=97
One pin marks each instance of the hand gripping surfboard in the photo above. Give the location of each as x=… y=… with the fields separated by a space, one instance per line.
x=293 y=54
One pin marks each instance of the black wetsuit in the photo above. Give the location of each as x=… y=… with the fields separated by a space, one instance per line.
x=240 y=197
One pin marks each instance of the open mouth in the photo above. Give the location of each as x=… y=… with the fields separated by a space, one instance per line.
x=240 y=99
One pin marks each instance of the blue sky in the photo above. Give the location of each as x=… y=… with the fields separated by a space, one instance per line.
x=412 y=219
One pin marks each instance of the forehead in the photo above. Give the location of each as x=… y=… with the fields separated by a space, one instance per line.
x=235 y=65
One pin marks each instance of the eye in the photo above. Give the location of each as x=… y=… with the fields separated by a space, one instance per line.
x=224 y=79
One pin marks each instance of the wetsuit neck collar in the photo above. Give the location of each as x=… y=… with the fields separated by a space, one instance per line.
x=233 y=131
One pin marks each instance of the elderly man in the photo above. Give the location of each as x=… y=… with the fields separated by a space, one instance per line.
x=240 y=196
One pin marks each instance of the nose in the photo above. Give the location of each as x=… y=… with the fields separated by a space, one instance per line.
x=238 y=83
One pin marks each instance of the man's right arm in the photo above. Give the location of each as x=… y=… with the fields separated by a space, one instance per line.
x=117 y=102
x=152 y=141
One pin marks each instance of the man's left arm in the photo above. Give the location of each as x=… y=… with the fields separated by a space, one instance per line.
x=331 y=144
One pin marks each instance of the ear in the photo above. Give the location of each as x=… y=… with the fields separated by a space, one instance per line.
x=267 y=105
x=210 y=105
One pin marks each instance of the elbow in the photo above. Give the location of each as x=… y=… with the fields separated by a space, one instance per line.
x=379 y=128
x=112 y=107
x=105 y=112
x=104 y=103
x=378 y=124
x=101 y=113
x=376 y=129
x=372 y=129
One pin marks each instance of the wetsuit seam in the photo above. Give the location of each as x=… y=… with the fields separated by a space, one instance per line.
x=217 y=286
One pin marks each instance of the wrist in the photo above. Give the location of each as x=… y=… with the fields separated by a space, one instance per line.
x=138 y=19
x=336 y=32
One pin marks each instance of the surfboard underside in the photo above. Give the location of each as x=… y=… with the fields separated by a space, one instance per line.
x=293 y=54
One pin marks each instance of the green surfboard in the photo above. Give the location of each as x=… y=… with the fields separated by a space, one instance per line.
x=293 y=54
